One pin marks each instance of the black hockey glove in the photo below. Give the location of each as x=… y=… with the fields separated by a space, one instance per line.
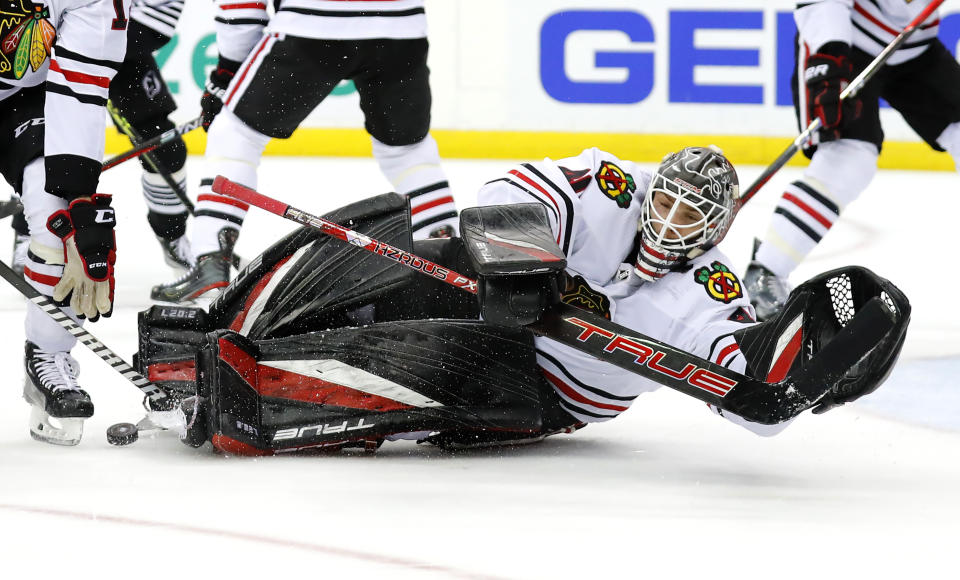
x=826 y=74
x=211 y=103
x=89 y=254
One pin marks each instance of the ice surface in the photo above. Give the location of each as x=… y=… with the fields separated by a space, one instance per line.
x=665 y=491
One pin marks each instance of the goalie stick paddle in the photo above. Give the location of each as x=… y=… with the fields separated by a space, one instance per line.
x=159 y=399
x=701 y=379
x=855 y=86
x=151 y=144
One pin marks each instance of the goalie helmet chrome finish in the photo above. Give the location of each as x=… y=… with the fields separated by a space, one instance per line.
x=688 y=209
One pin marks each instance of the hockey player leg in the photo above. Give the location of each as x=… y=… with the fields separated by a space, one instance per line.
x=21 y=241
x=167 y=211
x=58 y=403
x=839 y=172
x=414 y=170
x=234 y=151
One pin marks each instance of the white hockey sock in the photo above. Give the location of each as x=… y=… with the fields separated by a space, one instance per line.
x=950 y=140
x=415 y=170
x=44 y=264
x=808 y=208
x=233 y=151
x=160 y=197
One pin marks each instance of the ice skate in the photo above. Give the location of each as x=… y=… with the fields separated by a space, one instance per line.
x=176 y=253
x=768 y=292
x=206 y=277
x=59 y=404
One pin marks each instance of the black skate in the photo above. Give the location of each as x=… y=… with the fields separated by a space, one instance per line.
x=59 y=404
x=176 y=253
x=208 y=275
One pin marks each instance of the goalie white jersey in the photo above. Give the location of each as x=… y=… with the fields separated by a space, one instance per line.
x=593 y=201
x=75 y=47
x=869 y=25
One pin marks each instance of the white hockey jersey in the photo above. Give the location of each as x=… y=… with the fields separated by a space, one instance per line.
x=241 y=24
x=159 y=15
x=696 y=309
x=869 y=25
x=75 y=47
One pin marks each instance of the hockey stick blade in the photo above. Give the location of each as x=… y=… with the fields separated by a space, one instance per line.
x=586 y=332
x=158 y=398
x=851 y=91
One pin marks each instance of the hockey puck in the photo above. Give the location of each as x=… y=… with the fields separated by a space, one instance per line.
x=122 y=434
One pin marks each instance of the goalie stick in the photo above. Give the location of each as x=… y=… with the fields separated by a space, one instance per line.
x=151 y=144
x=158 y=399
x=701 y=379
x=851 y=91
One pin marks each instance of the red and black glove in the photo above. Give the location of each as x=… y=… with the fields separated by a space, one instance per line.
x=211 y=103
x=89 y=254
x=826 y=74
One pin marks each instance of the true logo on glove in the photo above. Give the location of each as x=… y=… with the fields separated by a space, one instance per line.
x=720 y=283
x=616 y=184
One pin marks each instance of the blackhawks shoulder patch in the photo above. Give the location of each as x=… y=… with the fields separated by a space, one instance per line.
x=26 y=37
x=578 y=293
x=719 y=282
x=616 y=184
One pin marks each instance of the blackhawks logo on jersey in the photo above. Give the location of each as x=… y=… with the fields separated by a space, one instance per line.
x=616 y=184
x=720 y=283
x=26 y=36
x=578 y=293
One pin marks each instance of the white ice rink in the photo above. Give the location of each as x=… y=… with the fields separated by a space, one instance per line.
x=667 y=490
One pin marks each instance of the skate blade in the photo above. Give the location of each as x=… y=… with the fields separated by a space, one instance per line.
x=55 y=430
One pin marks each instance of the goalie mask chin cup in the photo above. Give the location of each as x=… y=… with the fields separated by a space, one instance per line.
x=701 y=190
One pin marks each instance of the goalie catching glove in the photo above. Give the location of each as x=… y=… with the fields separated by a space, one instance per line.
x=89 y=254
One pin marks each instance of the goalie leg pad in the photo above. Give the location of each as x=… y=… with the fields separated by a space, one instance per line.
x=358 y=385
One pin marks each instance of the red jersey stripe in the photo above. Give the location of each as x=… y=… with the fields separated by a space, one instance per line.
x=568 y=391
x=246 y=69
x=79 y=77
x=242 y=5
x=730 y=348
x=537 y=186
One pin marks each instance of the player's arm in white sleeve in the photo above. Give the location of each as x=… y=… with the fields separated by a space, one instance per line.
x=823 y=21
x=89 y=49
x=239 y=25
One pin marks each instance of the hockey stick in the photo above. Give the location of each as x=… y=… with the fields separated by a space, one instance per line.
x=855 y=86
x=148 y=156
x=701 y=379
x=154 y=163
x=159 y=399
x=151 y=144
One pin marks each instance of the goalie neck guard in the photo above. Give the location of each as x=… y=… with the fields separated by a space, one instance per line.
x=688 y=209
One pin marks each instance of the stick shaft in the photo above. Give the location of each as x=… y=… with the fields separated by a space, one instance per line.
x=151 y=144
x=855 y=86
x=224 y=186
x=155 y=394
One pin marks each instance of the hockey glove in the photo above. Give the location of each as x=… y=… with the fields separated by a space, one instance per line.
x=826 y=74
x=211 y=103
x=89 y=254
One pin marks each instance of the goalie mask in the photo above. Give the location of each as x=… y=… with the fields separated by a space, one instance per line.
x=689 y=206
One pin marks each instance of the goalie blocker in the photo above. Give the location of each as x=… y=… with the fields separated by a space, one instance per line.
x=317 y=345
